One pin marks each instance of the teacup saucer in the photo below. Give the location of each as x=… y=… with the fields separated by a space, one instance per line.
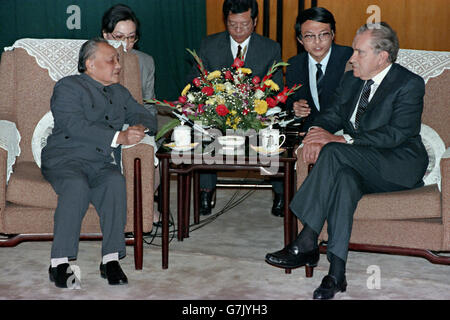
x=263 y=151
x=181 y=148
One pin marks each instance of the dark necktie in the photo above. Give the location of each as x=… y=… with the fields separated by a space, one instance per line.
x=363 y=102
x=239 y=53
x=319 y=77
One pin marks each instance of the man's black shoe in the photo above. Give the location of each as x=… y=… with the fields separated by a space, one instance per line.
x=113 y=272
x=61 y=274
x=329 y=287
x=205 y=202
x=290 y=257
x=278 y=205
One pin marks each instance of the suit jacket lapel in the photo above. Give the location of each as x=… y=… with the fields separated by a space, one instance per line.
x=225 y=47
x=385 y=85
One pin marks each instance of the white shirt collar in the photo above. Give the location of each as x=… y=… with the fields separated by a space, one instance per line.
x=244 y=46
x=380 y=76
x=324 y=62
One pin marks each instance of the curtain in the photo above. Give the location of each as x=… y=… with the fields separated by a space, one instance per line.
x=167 y=28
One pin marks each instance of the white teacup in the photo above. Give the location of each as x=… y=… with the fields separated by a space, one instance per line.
x=182 y=136
x=270 y=139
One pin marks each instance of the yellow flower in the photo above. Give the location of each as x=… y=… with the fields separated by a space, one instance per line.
x=260 y=106
x=186 y=89
x=220 y=100
x=237 y=120
x=273 y=86
x=233 y=112
x=213 y=75
x=228 y=122
x=211 y=100
x=219 y=87
x=245 y=70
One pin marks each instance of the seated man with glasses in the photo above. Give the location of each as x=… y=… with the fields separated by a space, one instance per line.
x=319 y=69
x=219 y=51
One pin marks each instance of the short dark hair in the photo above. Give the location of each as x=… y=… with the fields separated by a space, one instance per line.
x=318 y=14
x=117 y=13
x=384 y=38
x=240 y=6
x=87 y=51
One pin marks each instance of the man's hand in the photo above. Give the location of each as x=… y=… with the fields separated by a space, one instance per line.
x=321 y=137
x=301 y=108
x=314 y=141
x=132 y=135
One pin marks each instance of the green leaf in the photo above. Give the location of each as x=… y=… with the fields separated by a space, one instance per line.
x=166 y=128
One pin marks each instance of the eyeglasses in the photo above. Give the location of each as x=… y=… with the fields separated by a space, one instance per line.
x=324 y=36
x=242 y=25
x=121 y=37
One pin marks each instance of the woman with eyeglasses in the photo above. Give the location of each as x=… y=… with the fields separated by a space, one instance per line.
x=121 y=24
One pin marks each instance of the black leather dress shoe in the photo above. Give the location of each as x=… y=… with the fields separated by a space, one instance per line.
x=113 y=272
x=290 y=257
x=60 y=275
x=205 y=202
x=329 y=287
x=278 y=205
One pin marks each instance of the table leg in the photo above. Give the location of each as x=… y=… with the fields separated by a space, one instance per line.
x=165 y=187
x=187 y=204
x=180 y=206
x=196 y=197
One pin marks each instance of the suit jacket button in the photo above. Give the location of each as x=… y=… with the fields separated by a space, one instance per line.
x=66 y=137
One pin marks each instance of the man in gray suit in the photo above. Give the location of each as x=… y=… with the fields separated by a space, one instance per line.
x=219 y=51
x=89 y=112
x=379 y=107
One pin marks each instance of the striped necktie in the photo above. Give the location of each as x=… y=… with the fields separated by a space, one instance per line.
x=239 y=52
x=319 y=77
x=363 y=102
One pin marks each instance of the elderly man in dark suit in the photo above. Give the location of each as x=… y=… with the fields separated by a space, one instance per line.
x=219 y=51
x=318 y=69
x=89 y=112
x=379 y=108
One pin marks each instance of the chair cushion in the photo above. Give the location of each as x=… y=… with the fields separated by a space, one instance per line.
x=424 y=202
x=28 y=187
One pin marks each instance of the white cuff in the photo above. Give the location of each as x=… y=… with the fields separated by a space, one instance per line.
x=348 y=138
x=114 y=141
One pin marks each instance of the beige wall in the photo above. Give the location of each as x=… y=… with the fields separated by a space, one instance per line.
x=420 y=24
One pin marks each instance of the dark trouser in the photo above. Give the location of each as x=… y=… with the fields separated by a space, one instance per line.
x=77 y=185
x=341 y=176
x=208 y=181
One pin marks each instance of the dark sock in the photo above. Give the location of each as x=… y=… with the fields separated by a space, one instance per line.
x=307 y=239
x=337 y=267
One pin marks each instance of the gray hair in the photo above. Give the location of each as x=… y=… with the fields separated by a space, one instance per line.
x=384 y=38
x=87 y=51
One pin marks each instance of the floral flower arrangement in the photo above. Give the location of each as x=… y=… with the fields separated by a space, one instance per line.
x=230 y=98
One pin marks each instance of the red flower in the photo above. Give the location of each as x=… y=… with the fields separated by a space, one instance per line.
x=200 y=108
x=228 y=75
x=245 y=111
x=271 y=102
x=197 y=82
x=222 y=110
x=256 y=80
x=238 y=63
x=282 y=96
x=208 y=91
x=182 y=99
x=169 y=103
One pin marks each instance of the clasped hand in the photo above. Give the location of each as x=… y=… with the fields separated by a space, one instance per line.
x=314 y=141
x=131 y=135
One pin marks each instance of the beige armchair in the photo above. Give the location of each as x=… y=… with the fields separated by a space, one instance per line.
x=413 y=222
x=27 y=200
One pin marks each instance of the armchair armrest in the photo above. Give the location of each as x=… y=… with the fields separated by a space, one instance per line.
x=145 y=153
x=445 y=196
x=3 y=161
